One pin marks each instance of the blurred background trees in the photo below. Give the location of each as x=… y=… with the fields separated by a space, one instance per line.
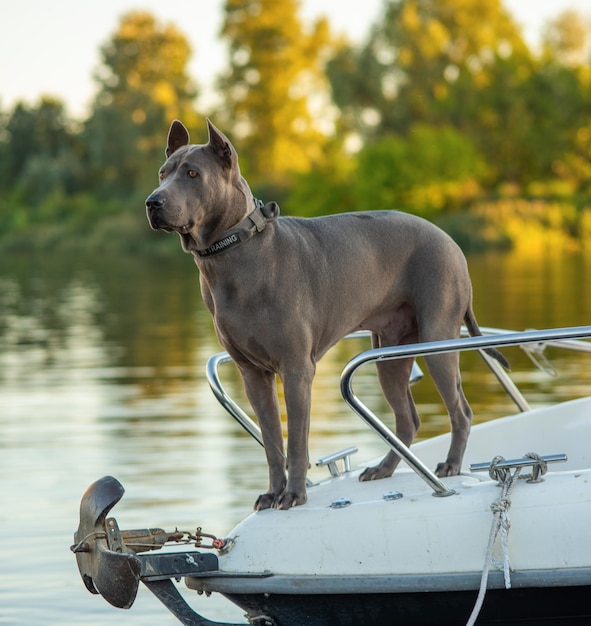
x=143 y=85
x=443 y=111
x=275 y=90
x=144 y=70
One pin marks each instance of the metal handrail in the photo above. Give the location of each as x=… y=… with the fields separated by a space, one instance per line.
x=223 y=397
x=557 y=336
x=493 y=338
x=571 y=344
x=234 y=409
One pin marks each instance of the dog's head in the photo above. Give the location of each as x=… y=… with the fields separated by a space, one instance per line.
x=201 y=192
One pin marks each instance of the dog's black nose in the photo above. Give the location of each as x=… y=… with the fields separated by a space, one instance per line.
x=155 y=202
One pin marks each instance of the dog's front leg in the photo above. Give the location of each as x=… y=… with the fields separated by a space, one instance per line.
x=262 y=394
x=297 y=386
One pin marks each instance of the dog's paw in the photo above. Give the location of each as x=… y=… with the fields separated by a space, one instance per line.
x=289 y=499
x=374 y=473
x=265 y=501
x=447 y=469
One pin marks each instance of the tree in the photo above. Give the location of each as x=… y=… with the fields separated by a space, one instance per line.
x=37 y=130
x=144 y=84
x=567 y=39
x=423 y=63
x=430 y=170
x=275 y=79
x=41 y=152
x=464 y=64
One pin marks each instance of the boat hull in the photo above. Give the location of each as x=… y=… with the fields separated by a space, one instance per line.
x=418 y=559
x=540 y=606
x=387 y=551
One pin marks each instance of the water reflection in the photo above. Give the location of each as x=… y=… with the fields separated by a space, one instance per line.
x=102 y=372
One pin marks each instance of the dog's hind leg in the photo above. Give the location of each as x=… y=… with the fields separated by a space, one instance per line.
x=440 y=314
x=445 y=371
x=260 y=387
x=394 y=380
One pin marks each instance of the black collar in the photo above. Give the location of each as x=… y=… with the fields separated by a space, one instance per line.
x=253 y=223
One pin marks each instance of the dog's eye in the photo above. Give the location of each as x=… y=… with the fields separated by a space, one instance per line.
x=192 y=174
x=161 y=175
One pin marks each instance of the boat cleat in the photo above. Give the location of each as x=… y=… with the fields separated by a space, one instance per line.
x=331 y=460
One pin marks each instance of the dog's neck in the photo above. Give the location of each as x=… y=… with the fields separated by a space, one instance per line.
x=255 y=222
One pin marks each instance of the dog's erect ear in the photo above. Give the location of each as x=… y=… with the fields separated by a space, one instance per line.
x=178 y=136
x=221 y=146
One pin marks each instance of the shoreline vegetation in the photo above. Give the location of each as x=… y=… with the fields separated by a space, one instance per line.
x=443 y=111
x=534 y=226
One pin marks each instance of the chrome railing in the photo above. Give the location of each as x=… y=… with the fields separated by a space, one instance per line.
x=223 y=397
x=558 y=336
x=492 y=338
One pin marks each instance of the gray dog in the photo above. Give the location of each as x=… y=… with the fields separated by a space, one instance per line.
x=283 y=291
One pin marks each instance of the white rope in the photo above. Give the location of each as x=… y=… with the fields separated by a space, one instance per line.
x=501 y=523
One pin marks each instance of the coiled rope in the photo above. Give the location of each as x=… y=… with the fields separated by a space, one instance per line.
x=500 y=524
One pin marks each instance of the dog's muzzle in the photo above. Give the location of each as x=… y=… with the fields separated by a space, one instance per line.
x=154 y=202
x=159 y=216
x=154 y=205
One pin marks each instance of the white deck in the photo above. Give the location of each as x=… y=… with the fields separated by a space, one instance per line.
x=424 y=535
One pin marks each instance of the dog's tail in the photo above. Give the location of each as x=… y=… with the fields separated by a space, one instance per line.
x=474 y=330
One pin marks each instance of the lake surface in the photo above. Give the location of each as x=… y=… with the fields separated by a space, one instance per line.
x=102 y=372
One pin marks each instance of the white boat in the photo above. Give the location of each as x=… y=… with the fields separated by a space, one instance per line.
x=507 y=542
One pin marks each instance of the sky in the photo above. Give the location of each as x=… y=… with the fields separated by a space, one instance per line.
x=52 y=47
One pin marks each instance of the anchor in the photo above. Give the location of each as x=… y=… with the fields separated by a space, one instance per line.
x=109 y=565
x=106 y=565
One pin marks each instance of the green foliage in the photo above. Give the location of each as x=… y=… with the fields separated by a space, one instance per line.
x=566 y=39
x=431 y=170
x=325 y=189
x=275 y=68
x=443 y=111
x=464 y=64
x=39 y=153
x=475 y=232
x=144 y=85
x=416 y=57
x=532 y=226
x=53 y=172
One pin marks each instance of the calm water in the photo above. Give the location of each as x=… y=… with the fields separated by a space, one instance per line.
x=101 y=372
